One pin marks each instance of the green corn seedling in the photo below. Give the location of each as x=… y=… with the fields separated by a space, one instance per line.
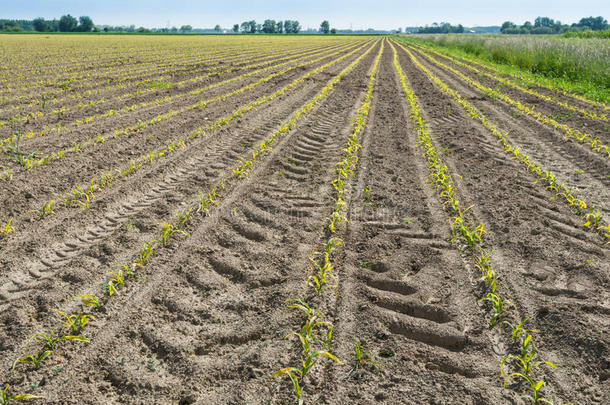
x=145 y=253
x=50 y=340
x=294 y=374
x=518 y=330
x=497 y=305
x=5 y=398
x=525 y=361
x=90 y=300
x=48 y=208
x=76 y=322
x=488 y=274
x=34 y=360
x=7 y=229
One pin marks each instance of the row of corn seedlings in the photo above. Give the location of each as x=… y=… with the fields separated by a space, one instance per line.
x=569 y=133
x=168 y=99
x=82 y=196
x=506 y=82
x=141 y=125
x=316 y=333
x=469 y=236
x=592 y=219
x=178 y=228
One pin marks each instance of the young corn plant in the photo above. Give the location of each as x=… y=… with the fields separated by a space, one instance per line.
x=488 y=274
x=76 y=322
x=89 y=300
x=5 y=397
x=497 y=306
x=466 y=231
x=323 y=268
x=295 y=375
x=34 y=359
x=168 y=230
x=47 y=209
x=145 y=253
x=7 y=229
x=518 y=329
x=116 y=282
x=49 y=341
x=525 y=361
x=13 y=150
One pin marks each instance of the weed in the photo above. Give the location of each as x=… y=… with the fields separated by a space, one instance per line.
x=363 y=359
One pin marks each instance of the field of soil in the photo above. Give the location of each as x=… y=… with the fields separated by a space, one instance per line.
x=204 y=319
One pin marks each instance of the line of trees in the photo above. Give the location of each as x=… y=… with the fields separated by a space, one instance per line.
x=546 y=25
x=268 y=27
x=442 y=28
x=66 y=23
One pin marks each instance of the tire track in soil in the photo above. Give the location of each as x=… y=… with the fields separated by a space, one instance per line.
x=138 y=197
x=565 y=158
x=21 y=193
x=404 y=290
x=552 y=270
x=218 y=324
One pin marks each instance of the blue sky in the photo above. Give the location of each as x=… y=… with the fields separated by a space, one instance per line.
x=380 y=14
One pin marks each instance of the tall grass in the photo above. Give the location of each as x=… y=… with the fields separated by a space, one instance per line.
x=574 y=59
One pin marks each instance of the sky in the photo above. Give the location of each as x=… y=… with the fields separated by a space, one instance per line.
x=356 y=14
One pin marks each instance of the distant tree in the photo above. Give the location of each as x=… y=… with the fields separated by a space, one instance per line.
x=174 y=29
x=325 y=27
x=544 y=22
x=235 y=27
x=252 y=26
x=507 y=25
x=10 y=26
x=269 y=26
x=41 y=25
x=259 y=28
x=333 y=31
x=291 y=27
x=186 y=28
x=279 y=27
x=245 y=27
x=217 y=28
x=143 y=30
x=85 y=24
x=67 y=23
x=106 y=29
x=593 y=23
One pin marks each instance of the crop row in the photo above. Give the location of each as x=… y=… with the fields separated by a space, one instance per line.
x=470 y=237
x=569 y=133
x=591 y=218
x=316 y=333
x=168 y=231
